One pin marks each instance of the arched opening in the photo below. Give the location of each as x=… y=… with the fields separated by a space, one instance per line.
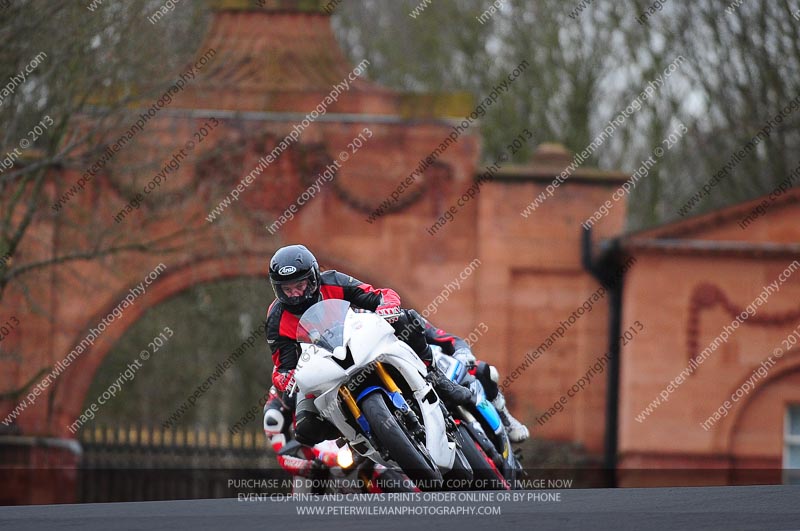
x=73 y=388
x=756 y=438
x=198 y=359
x=78 y=388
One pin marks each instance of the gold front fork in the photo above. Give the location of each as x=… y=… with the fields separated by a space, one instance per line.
x=385 y=378
x=348 y=399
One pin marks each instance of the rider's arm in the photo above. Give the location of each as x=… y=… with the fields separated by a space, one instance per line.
x=285 y=352
x=359 y=293
x=449 y=342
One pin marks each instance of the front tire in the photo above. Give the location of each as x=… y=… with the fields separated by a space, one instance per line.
x=393 y=438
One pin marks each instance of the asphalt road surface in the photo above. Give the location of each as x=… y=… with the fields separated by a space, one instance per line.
x=725 y=508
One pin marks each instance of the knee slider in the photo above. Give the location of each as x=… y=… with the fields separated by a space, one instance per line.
x=273 y=421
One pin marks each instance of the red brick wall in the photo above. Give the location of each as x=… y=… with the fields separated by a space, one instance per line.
x=659 y=292
x=527 y=278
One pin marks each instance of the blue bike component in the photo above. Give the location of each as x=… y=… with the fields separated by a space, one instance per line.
x=368 y=390
x=490 y=414
x=397 y=401
x=485 y=408
x=457 y=371
x=453 y=369
x=362 y=421
x=396 y=397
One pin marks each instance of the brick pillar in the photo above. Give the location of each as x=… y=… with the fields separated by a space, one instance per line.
x=38 y=470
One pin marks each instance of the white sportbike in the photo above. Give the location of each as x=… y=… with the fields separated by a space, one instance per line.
x=372 y=387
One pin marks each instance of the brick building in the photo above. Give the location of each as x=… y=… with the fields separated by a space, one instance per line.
x=528 y=277
x=692 y=281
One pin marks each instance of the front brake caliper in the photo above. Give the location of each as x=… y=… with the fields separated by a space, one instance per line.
x=413 y=424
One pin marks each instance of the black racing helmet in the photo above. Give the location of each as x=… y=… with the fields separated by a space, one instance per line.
x=292 y=264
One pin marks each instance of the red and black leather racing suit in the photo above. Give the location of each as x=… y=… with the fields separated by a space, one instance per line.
x=450 y=344
x=281 y=332
x=409 y=326
x=281 y=325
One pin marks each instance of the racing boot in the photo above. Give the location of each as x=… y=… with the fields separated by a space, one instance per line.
x=488 y=376
x=517 y=431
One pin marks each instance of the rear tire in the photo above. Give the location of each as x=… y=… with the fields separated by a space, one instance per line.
x=393 y=438
x=485 y=475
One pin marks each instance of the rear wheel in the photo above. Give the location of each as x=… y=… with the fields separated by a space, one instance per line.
x=485 y=474
x=397 y=442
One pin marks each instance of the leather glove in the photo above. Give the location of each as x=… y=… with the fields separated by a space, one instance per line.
x=383 y=311
x=283 y=381
x=465 y=356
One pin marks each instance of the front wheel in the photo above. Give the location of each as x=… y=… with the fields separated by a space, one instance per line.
x=396 y=441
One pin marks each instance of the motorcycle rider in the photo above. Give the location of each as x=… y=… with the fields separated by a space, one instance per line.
x=298 y=284
x=279 y=407
x=487 y=374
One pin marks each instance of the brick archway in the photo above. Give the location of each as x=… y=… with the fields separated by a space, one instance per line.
x=257 y=113
x=749 y=417
x=70 y=389
x=373 y=214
